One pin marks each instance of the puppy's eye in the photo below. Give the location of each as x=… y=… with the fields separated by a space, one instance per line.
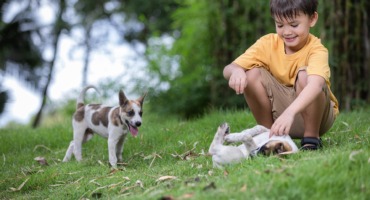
x=131 y=113
x=141 y=113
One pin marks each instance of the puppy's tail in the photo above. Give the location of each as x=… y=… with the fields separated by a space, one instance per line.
x=81 y=97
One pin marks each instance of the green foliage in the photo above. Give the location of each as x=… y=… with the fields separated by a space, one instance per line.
x=153 y=19
x=210 y=35
x=167 y=148
x=19 y=54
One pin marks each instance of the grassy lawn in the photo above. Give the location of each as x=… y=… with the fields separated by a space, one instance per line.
x=167 y=160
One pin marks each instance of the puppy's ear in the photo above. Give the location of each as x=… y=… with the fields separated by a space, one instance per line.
x=122 y=98
x=141 y=99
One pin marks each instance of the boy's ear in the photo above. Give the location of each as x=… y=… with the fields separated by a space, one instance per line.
x=314 y=19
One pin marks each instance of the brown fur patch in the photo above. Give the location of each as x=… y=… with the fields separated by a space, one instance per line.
x=115 y=118
x=122 y=98
x=101 y=116
x=128 y=107
x=79 y=114
x=79 y=105
x=95 y=106
x=141 y=99
x=276 y=147
x=88 y=132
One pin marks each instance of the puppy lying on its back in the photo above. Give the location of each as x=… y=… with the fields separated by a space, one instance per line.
x=266 y=145
x=255 y=140
x=223 y=155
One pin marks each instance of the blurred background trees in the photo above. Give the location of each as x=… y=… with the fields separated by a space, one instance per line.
x=186 y=45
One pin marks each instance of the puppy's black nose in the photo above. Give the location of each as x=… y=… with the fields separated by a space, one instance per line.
x=137 y=124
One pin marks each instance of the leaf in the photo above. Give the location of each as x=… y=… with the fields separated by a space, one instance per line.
x=165 y=178
x=345 y=124
x=212 y=185
x=101 y=163
x=244 y=188
x=114 y=170
x=20 y=186
x=187 y=196
x=167 y=198
x=195 y=144
x=41 y=161
x=357 y=137
x=140 y=184
x=353 y=153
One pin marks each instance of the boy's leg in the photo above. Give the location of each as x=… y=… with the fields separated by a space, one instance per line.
x=318 y=117
x=257 y=99
x=267 y=99
x=312 y=115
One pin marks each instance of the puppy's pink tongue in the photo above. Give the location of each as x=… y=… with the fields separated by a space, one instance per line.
x=134 y=131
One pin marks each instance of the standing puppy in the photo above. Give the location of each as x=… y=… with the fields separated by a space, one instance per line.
x=112 y=123
x=223 y=155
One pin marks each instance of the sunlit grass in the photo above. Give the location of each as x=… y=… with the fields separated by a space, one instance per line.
x=167 y=160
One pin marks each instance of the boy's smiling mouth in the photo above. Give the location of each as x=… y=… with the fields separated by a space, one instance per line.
x=289 y=39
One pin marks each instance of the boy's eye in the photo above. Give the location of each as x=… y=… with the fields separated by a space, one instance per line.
x=294 y=25
x=279 y=26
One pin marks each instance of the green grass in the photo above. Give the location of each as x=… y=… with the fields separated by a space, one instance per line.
x=173 y=148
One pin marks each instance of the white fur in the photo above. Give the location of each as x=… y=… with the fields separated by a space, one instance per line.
x=223 y=155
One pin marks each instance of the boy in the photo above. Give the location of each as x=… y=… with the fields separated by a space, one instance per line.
x=285 y=76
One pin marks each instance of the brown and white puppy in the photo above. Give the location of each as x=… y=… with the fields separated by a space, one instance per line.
x=266 y=145
x=112 y=123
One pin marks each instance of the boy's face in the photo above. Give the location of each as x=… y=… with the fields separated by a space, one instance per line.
x=295 y=31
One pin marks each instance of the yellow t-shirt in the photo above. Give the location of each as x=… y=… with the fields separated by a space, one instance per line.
x=268 y=52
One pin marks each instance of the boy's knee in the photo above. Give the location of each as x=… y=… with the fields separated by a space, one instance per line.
x=253 y=75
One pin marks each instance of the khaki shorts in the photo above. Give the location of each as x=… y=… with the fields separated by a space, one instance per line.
x=282 y=96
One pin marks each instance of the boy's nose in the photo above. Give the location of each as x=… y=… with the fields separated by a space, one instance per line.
x=287 y=32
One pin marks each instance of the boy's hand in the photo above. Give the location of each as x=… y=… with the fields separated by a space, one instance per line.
x=236 y=76
x=238 y=81
x=282 y=125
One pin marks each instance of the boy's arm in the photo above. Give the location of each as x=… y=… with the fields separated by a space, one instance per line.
x=236 y=76
x=283 y=123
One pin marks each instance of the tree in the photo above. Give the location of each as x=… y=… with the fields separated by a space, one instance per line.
x=58 y=27
x=19 y=55
x=345 y=31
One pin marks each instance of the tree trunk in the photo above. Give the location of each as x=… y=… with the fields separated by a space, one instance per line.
x=87 y=55
x=57 y=32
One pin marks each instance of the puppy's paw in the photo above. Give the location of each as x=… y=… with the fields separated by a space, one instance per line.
x=261 y=128
x=230 y=138
x=223 y=129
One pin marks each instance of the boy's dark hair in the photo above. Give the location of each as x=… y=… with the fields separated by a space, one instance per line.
x=288 y=9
